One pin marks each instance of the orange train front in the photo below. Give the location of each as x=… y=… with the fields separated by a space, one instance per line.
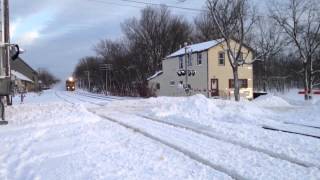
x=71 y=84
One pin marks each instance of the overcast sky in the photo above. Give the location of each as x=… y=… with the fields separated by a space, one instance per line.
x=56 y=33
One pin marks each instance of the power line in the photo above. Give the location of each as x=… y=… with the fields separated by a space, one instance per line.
x=117 y=4
x=152 y=4
x=171 y=6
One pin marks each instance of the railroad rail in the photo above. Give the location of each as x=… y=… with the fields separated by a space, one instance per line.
x=204 y=131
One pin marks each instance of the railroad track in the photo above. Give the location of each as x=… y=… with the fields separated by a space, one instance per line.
x=201 y=130
x=210 y=133
x=107 y=98
x=85 y=100
x=187 y=153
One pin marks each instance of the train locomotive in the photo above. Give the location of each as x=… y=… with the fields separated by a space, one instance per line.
x=70 y=84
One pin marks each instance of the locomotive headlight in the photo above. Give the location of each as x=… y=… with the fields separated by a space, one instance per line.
x=70 y=78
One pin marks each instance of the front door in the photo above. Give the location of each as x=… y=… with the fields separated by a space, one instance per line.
x=214 y=87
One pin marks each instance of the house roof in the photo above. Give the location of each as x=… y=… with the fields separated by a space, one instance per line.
x=26 y=64
x=197 y=47
x=158 y=73
x=20 y=76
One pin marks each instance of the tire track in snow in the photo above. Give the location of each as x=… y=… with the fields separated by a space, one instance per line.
x=201 y=131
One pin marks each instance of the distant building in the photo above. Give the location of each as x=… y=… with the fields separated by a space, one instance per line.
x=213 y=73
x=25 y=77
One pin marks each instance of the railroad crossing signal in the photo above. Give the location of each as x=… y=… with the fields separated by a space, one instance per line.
x=188 y=72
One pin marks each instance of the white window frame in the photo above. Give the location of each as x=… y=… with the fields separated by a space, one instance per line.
x=224 y=58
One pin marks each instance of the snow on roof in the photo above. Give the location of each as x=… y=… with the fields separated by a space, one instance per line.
x=197 y=47
x=20 y=76
x=158 y=73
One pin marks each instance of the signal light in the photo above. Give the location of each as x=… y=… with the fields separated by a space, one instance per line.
x=188 y=73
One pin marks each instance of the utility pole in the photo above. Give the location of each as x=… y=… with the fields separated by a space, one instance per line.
x=186 y=72
x=89 y=84
x=186 y=88
x=4 y=57
x=106 y=68
x=5 y=40
x=7 y=36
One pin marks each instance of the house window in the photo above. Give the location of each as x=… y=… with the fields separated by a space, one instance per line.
x=243 y=83
x=241 y=56
x=199 y=58
x=180 y=62
x=189 y=59
x=241 y=59
x=158 y=86
x=172 y=83
x=221 y=58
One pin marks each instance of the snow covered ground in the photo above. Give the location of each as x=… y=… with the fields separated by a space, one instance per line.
x=63 y=135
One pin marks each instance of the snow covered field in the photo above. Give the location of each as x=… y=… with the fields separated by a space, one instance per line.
x=63 y=135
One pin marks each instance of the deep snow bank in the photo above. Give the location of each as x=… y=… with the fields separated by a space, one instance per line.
x=203 y=110
x=271 y=101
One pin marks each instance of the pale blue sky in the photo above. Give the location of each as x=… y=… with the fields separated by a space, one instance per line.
x=57 y=33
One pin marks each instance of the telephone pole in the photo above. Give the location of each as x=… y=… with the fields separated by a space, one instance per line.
x=88 y=75
x=186 y=71
x=186 y=66
x=4 y=57
x=5 y=39
x=7 y=36
x=106 y=68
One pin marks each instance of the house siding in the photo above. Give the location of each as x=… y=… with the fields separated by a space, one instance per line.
x=224 y=73
x=171 y=67
x=209 y=69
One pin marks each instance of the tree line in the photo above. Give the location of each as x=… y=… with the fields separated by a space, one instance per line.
x=285 y=39
x=46 y=78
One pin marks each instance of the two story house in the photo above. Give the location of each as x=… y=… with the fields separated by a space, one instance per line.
x=210 y=72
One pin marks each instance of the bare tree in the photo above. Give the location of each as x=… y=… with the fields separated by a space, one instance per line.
x=156 y=34
x=269 y=42
x=88 y=72
x=151 y=38
x=235 y=22
x=47 y=78
x=205 y=30
x=316 y=73
x=300 y=20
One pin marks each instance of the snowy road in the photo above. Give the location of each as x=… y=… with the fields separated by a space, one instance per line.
x=100 y=137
